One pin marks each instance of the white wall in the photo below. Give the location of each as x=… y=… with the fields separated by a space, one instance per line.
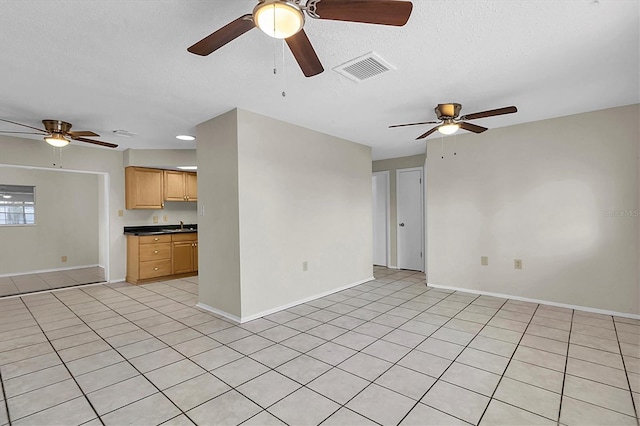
x=304 y=196
x=66 y=222
x=218 y=228
x=276 y=195
x=541 y=192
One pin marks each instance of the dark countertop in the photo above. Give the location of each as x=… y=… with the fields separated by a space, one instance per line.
x=160 y=230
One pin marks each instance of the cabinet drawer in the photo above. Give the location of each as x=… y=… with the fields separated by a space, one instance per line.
x=155 y=251
x=188 y=236
x=154 y=239
x=155 y=268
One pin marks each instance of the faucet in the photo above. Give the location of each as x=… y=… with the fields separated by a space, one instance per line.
x=181 y=225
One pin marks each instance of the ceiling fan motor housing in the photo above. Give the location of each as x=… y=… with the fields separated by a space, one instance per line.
x=56 y=126
x=448 y=111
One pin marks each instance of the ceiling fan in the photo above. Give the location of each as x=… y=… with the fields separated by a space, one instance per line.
x=450 y=123
x=284 y=19
x=58 y=133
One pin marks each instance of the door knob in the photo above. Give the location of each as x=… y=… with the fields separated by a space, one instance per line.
x=402 y=224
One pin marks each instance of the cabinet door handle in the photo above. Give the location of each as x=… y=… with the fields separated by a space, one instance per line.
x=156 y=268
x=156 y=252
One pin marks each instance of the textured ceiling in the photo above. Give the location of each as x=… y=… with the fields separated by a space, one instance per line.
x=116 y=64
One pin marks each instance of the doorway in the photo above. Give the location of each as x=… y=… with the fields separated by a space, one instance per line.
x=381 y=217
x=410 y=218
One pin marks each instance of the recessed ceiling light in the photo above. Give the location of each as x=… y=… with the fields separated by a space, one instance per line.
x=6 y=196
x=188 y=167
x=185 y=138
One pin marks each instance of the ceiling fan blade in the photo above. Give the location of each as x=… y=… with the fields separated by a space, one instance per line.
x=107 y=144
x=82 y=133
x=490 y=113
x=305 y=54
x=23 y=125
x=24 y=133
x=424 y=135
x=414 y=124
x=382 y=12
x=224 y=35
x=472 y=127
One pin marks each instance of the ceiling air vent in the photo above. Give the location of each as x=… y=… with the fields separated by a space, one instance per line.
x=364 y=67
x=124 y=133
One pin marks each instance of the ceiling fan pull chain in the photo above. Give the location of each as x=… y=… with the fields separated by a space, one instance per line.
x=284 y=79
x=442 y=145
x=455 y=144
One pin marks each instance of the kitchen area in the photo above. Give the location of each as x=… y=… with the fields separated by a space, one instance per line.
x=161 y=251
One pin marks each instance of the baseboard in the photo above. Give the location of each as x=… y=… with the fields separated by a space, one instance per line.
x=543 y=302
x=42 y=271
x=281 y=307
x=305 y=300
x=219 y=312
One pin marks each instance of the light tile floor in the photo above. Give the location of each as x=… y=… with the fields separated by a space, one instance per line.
x=28 y=283
x=390 y=351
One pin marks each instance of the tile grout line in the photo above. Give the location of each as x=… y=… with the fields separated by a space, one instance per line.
x=566 y=363
x=4 y=396
x=454 y=360
x=507 y=366
x=65 y=366
x=134 y=367
x=633 y=403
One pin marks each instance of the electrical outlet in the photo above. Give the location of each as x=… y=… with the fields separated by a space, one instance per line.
x=484 y=260
x=165 y=218
x=120 y=213
x=517 y=263
x=155 y=219
x=305 y=266
x=64 y=258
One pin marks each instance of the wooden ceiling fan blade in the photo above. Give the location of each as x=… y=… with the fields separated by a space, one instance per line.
x=305 y=54
x=490 y=113
x=23 y=133
x=80 y=133
x=107 y=144
x=23 y=125
x=414 y=124
x=224 y=35
x=382 y=12
x=424 y=135
x=472 y=127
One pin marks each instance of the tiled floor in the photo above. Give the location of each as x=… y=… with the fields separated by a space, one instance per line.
x=391 y=351
x=19 y=284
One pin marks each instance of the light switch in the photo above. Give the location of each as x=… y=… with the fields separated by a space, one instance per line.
x=120 y=213
x=484 y=260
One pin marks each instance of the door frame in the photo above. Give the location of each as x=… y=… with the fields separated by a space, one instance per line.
x=422 y=215
x=387 y=179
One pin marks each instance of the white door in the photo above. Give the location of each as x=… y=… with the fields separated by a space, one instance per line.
x=410 y=218
x=380 y=217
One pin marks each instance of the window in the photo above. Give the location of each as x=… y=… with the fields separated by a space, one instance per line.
x=17 y=205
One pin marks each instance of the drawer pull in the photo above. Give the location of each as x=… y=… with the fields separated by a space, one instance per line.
x=156 y=268
x=156 y=252
x=156 y=239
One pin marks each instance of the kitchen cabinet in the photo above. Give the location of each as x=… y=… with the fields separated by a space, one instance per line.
x=180 y=186
x=144 y=188
x=163 y=256
x=148 y=257
x=185 y=253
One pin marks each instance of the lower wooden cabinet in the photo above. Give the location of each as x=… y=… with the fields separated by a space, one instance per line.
x=185 y=253
x=155 y=257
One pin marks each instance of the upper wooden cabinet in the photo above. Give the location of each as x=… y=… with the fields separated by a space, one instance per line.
x=180 y=186
x=144 y=188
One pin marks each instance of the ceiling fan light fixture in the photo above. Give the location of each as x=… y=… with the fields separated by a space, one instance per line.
x=278 y=18
x=448 y=129
x=56 y=139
